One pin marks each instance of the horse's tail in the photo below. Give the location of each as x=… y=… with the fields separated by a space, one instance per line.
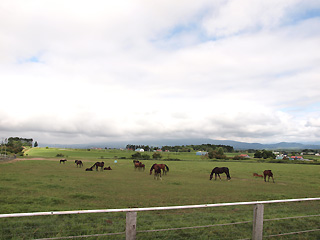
x=167 y=168
x=228 y=174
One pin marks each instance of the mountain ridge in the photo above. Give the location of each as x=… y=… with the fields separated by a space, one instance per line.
x=237 y=145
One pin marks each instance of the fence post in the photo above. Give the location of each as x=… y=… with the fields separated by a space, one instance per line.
x=257 y=222
x=131 y=223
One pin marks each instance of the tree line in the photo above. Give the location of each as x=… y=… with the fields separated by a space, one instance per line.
x=15 y=145
x=183 y=148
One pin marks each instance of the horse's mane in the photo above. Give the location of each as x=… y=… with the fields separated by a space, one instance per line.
x=152 y=167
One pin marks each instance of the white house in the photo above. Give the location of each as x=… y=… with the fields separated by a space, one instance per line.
x=139 y=150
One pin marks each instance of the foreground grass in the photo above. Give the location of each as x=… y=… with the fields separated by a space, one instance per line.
x=47 y=185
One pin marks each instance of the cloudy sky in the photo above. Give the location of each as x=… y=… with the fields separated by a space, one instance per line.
x=92 y=71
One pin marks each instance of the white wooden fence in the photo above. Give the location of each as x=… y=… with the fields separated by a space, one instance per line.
x=131 y=214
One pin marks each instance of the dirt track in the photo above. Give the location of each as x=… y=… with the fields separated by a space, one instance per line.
x=24 y=159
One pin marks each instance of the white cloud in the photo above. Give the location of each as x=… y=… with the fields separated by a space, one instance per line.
x=240 y=70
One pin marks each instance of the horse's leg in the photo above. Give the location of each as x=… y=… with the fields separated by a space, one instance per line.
x=272 y=179
x=219 y=176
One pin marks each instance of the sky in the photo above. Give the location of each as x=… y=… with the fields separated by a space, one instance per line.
x=77 y=71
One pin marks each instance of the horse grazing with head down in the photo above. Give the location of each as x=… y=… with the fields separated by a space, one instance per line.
x=99 y=164
x=157 y=171
x=164 y=168
x=139 y=165
x=269 y=174
x=216 y=171
x=78 y=162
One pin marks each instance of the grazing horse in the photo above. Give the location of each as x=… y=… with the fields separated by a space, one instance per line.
x=157 y=171
x=107 y=168
x=257 y=175
x=155 y=166
x=99 y=164
x=218 y=170
x=139 y=165
x=269 y=174
x=78 y=162
x=63 y=160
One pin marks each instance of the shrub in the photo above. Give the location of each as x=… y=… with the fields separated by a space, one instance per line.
x=156 y=155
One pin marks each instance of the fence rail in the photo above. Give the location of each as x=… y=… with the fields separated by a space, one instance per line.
x=131 y=216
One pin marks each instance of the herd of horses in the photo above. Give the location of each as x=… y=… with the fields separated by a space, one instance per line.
x=158 y=167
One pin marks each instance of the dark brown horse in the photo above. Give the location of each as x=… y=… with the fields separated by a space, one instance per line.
x=158 y=167
x=157 y=171
x=63 y=160
x=78 y=162
x=216 y=171
x=107 y=168
x=269 y=174
x=99 y=164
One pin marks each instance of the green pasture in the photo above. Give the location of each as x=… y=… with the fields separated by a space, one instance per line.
x=46 y=185
x=84 y=154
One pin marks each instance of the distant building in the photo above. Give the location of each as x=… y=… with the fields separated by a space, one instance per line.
x=200 y=153
x=296 y=158
x=139 y=150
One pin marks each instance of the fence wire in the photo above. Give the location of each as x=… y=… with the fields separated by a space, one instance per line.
x=230 y=222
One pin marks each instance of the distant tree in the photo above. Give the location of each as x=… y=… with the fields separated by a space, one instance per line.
x=145 y=156
x=136 y=155
x=218 y=154
x=35 y=144
x=264 y=154
x=257 y=154
x=156 y=155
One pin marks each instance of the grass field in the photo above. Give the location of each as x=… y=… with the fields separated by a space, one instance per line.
x=47 y=185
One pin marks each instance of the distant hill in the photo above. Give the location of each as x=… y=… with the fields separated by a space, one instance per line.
x=178 y=142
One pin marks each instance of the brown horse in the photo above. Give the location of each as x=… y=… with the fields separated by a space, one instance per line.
x=107 y=168
x=99 y=164
x=269 y=174
x=139 y=165
x=257 y=175
x=157 y=171
x=63 y=160
x=135 y=161
x=157 y=168
x=216 y=171
x=78 y=162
